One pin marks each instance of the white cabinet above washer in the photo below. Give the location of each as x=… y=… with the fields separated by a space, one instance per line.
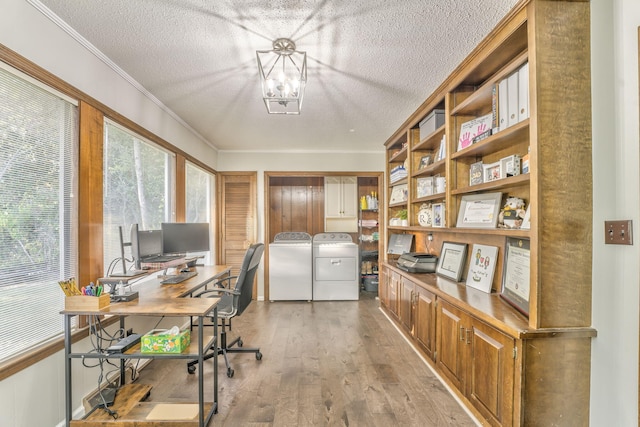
x=341 y=204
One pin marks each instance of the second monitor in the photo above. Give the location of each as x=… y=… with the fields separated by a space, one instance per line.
x=182 y=238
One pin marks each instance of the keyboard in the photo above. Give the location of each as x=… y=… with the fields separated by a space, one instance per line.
x=179 y=278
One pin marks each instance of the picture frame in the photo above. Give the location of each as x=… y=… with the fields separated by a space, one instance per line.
x=510 y=166
x=451 y=260
x=516 y=272
x=438 y=212
x=399 y=194
x=424 y=186
x=482 y=267
x=492 y=171
x=526 y=221
x=479 y=210
x=476 y=173
x=425 y=161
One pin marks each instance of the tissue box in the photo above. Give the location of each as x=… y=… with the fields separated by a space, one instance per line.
x=159 y=341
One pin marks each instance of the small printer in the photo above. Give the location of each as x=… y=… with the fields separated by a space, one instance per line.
x=417 y=262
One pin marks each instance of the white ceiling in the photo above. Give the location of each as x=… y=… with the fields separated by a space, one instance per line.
x=371 y=63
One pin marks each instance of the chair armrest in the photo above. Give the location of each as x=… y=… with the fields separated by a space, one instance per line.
x=217 y=291
x=225 y=279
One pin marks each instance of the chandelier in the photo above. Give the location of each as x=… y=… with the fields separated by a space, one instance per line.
x=283 y=75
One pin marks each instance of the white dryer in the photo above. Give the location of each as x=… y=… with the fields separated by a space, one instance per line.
x=335 y=267
x=290 y=269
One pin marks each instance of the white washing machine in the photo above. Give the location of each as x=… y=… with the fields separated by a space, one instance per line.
x=335 y=267
x=290 y=267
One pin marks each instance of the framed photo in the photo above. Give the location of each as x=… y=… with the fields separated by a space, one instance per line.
x=424 y=187
x=510 y=166
x=437 y=211
x=476 y=175
x=399 y=194
x=451 y=260
x=492 y=172
x=425 y=161
x=479 y=210
x=482 y=266
x=516 y=274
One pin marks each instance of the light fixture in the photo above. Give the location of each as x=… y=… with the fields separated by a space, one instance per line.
x=283 y=75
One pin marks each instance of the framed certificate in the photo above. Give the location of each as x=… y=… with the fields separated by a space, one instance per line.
x=451 y=260
x=479 y=210
x=516 y=273
x=482 y=265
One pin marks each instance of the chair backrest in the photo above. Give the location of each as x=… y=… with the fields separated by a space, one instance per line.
x=244 y=283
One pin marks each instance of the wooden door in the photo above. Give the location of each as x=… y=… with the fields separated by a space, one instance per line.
x=237 y=217
x=405 y=304
x=451 y=343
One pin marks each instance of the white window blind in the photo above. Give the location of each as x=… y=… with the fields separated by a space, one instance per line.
x=199 y=197
x=38 y=242
x=139 y=184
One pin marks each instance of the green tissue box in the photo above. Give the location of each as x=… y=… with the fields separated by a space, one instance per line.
x=159 y=341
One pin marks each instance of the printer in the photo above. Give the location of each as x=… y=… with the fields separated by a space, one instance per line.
x=415 y=262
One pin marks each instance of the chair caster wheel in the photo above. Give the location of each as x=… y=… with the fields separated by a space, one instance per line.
x=240 y=343
x=258 y=356
x=191 y=369
x=230 y=372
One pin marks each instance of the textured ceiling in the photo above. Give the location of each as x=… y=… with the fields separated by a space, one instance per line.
x=371 y=63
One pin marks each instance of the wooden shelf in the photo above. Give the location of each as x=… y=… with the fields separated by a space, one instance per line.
x=432 y=169
x=498 y=184
x=493 y=143
x=431 y=141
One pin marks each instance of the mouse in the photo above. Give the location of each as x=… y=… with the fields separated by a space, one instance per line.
x=185 y=270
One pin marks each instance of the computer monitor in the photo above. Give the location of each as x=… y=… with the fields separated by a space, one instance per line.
x=184 y=237
x=145 y=243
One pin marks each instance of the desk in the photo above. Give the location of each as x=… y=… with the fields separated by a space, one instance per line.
x=155 y=299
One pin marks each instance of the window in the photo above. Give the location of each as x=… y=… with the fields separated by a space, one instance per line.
x=138 y=189
x=38 y=245
x=199 y=196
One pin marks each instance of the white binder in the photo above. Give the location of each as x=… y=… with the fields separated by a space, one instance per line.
x=512 y=91
x=523 y=92
x=503 y=107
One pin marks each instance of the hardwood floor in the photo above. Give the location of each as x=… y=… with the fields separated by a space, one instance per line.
x=333 y=363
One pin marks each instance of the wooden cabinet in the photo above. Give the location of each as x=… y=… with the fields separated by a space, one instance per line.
x=545 y=45
x=341 y=203
x=478 y=360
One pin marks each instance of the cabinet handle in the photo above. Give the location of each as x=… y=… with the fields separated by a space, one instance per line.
x=468 y=336
x=461 y=333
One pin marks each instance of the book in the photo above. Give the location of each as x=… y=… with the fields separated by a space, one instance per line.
x=523 y=92
x=503 y=104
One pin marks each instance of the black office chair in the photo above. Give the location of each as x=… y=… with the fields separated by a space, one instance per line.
x=232 y=303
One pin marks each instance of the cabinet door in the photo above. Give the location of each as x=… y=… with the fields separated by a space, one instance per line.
x=451 y=343
x=383 y=287
x=405 y=304
x=332 y=196
x=424 y=319
x=394 y=285
x=350 y=196
x=490 y=384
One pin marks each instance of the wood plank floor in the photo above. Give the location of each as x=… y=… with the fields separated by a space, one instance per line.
x=328 y=363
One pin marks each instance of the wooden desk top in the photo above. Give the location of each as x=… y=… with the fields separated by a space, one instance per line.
x=157 y=299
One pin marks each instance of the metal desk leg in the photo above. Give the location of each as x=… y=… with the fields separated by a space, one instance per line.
x=67 y=369
x=215 y=360
x=201 y=370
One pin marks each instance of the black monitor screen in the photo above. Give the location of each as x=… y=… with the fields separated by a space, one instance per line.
x=180 y=237
x=149 y=243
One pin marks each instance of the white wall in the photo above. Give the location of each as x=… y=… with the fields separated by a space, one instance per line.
x=616 y=273
x=614 y=380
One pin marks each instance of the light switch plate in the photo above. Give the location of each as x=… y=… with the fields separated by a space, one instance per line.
x=618 y=232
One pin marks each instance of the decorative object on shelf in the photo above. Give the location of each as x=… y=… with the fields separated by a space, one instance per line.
x=441 y=184
x=482 y=266
x=510 y=166
x=283 y=75
x=516 y=273
x=492 y=172
x=512 y=213
x=526 y=221
x=425 y=161
x=399 y=194
x=424 y=187
x=476 y=173
x=474 y=128
x=451 y=260
x=425 y=215
x=479 y=210
x=437 y=210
